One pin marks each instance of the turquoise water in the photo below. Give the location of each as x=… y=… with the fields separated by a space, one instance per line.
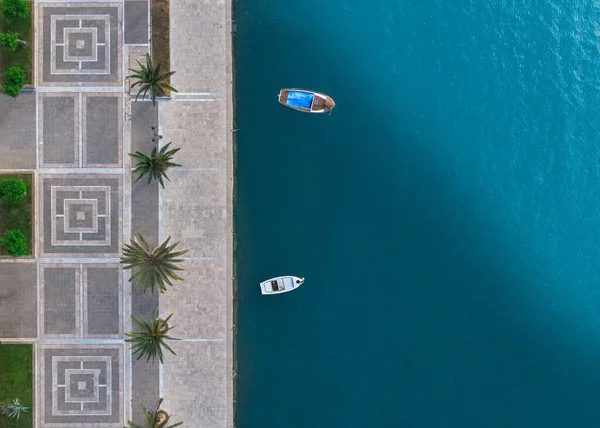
x=445 y=215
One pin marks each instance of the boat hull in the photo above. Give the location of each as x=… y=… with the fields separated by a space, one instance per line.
x=280 y=284
x=320 y=103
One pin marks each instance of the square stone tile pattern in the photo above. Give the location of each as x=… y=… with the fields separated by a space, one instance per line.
x=81 y=215
x=80 y=44
x=67 y=229
x=81 y=386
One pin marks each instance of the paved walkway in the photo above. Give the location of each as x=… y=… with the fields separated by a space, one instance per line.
x=197 y=210
x=72 y=298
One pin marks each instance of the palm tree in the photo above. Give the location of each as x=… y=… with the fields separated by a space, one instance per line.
x=151 y=339
x=155 y=165
x=155 y=267
x=149 y=79
x=14 y=409
x=155 y=419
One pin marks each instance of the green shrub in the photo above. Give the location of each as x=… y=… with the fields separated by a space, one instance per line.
x=12 y=9
x=9 y=41
x=14 y=79
x=13 y=190
x=14 y=243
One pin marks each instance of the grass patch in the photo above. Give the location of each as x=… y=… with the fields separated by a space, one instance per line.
x=161 y=31
x=22 y=57
x=16 y=381
x=18 y=215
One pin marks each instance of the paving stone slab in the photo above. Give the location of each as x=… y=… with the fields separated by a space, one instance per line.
x=198 y=129
x=81 y=386
x=144 y=220
x=103 y=302
x=199 y=301
x=59 y=129
x=59 y=305
x=145 y=375
x=79 y=45
x=199 y=56
x=144 y=387
x=81 y=301
x=144 y=195
x=82 y=215
x=17 y=131
x=102 y=129
x=197 y=376
x=18 y=300
x=136 y=22
x=196 y=213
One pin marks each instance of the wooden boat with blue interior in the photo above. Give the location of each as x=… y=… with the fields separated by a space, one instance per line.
x=306 y=101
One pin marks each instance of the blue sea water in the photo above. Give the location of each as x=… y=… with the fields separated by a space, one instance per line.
x=446 y=214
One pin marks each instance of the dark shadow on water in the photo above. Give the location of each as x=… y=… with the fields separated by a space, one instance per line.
x=416 y=311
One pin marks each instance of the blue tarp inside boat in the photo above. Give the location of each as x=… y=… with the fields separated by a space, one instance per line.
x=300 y=99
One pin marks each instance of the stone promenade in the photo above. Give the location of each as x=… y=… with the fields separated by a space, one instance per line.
x=196 y=209
x=72 y=299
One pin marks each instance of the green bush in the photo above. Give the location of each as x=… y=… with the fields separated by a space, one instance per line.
x=12 y=9
x=9 y=41
x=13 y=190
x=14 y=243
x=14 y=79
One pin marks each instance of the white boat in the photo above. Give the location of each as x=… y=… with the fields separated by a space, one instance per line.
x=281 y=284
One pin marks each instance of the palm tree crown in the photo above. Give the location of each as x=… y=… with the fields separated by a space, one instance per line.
x=14 y=409
x=150 y=79
x=151 y=338
x=155 y=419
x=154 y=267
x=155 y=165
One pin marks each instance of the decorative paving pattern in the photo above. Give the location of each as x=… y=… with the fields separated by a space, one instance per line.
x=75 y=213
x=81 y=130
x=80 y=301
x=80 y=44
x=81 y=215
x=81 y=386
